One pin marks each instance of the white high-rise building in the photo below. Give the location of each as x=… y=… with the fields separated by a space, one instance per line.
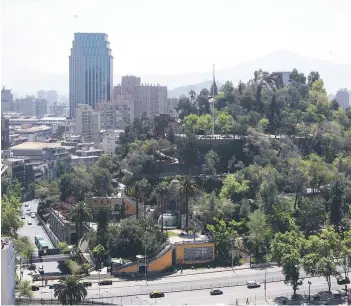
x=8 y=270
x=343 y=98
x=90 y=70
x=87 y=123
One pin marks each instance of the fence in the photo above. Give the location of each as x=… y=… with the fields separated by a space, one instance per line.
x=34 y=301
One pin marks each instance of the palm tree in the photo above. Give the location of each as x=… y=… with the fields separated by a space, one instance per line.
x=80 y=214
x=189 y=189
x=135 y=192
x=70 y=291
x=161 y=191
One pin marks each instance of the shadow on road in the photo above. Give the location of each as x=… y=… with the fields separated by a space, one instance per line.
x=321 y=298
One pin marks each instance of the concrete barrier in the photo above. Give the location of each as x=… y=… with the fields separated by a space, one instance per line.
x=55 y=241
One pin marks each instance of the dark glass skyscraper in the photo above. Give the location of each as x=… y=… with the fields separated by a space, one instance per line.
x=90 y=70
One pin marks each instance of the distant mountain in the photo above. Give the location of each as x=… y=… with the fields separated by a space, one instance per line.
x=335 y=75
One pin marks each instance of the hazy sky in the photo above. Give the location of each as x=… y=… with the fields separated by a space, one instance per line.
x=169 y=37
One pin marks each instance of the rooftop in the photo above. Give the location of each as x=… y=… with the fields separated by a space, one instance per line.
x=37 y=146
x=34 y=129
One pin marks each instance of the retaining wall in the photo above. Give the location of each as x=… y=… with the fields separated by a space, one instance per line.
x=55 y=241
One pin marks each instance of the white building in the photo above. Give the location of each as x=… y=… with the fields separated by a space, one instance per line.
x=85 y=157
x=90 y=70
x=8 y=270
x=116 y=114
x=110 y=141
x=343 y=98
x=35 y=133
x=87 y=123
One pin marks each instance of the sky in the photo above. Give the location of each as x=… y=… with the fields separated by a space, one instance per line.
x=164 y=37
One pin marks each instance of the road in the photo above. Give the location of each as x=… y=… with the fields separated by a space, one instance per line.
x=194 y=289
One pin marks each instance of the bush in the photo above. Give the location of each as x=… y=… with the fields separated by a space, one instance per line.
x=73 y=266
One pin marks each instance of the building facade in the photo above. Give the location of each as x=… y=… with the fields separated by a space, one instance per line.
x=90 y=70
x=8 y=272
x=87 y=123
x=149 y=100
x=7 y=104
x=116 y=114
x=5 y=133
x=30 y=106
x=343 y=98
x=110 y=141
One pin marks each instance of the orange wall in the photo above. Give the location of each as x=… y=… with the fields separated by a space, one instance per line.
x=180 y=251
x=130 y=207
x=130 y=269
x=161 y=263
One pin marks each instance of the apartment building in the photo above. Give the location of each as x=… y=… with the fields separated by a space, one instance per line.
x=30 y=106
x=116 y=114
x=110 y=141
x=7 y=104
x=5 y=133
x=8 y=272
x=343 y=98
x=87 y=123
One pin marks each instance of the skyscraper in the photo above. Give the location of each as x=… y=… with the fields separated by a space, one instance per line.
x=90 y=70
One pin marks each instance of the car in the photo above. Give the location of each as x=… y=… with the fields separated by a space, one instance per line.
x=35 y=288
x=26 y=204
x=156 y=294
x=216 y=292
x=105 y=282
x=252 y=284
x=339 y=293
x=40 y=268
x=29 y=209
x=343 y=281
x=32 y=215
x=53 y=286
x=87 y=284
x=23 y=217
x=29 y=222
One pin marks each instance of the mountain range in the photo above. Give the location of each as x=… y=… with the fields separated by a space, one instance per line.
x=335 y=75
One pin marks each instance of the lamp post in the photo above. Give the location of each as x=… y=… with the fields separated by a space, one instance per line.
x=309 y=290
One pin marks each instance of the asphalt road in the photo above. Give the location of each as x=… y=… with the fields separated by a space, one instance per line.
x=186 y=289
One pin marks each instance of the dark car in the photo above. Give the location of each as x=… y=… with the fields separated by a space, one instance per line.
x=216 y=292
x=35 y=288
x=156 y=294
x=105 y=282
x=343 y=281
x=53 y=286
x=87 y=284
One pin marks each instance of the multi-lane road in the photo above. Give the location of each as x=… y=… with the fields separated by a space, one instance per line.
x=195 y=289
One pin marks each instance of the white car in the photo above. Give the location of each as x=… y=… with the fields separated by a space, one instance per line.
x=29 y=222
x=29 y=209
x=26 y=204
x=253 y=284
x=32 y=215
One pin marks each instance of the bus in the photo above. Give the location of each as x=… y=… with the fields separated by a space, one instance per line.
x=42 y=245
x=37 y=238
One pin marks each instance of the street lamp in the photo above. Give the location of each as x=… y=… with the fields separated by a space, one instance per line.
x=309 y=290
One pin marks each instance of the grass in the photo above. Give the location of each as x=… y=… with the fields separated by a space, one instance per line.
x=172 y=234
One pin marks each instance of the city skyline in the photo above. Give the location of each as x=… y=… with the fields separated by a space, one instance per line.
x=168 y=43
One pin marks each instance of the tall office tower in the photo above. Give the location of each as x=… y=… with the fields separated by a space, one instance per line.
x=41 y=94
x=90 y=70
x=343 y=98
x=51 y=97
x=7 y=104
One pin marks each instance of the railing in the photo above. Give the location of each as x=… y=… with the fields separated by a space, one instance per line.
x=37 y=301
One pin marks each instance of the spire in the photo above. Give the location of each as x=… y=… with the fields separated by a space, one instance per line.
x=214 y=89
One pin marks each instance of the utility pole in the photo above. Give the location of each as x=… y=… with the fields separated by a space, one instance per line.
x=265 y=284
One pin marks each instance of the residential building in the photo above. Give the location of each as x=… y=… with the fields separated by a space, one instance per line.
x=5 y=133
x=30 y=106
x=87 y=123
x=343 y=98
x=42 y=94
x=90 y=70
x=110 y=141
x=85 y=157
x=116 y=114
x=8 y=272
x=51 y=97
x=7 y=104
x=35 y=133
x=17 y=170
x=41 y=108
x=149 y=100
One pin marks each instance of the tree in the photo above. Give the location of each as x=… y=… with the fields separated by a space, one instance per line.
x=323 y=251
x=24 y=247
x=161 y=191
x=99 y=253
x=79 y=214
x=287 y=251
x=10 y=220
x=185 y=107
x=187 y=151
x=211 y=162
x=189 y=189
x=70 y=291
x=102 y=221
x=234 y=187
x=310 y=214
x=225 y=123
x=24 y=289
x=101 y=181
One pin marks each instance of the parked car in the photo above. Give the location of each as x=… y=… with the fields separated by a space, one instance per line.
x=156 y=294
x=26 y=204
x=29 y=209
x=343 y=281
x=29 y=222
x=339 y=293
x=32 y=215
x=87 y=284
x=35 y=288
x=105 y=282
x=23 y=217
x=53 y=286
x=253 y=284
x=216 y=292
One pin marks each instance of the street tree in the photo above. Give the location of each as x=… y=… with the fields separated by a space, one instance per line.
x=70 y=291
x=79 y=215
x=24 y=289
